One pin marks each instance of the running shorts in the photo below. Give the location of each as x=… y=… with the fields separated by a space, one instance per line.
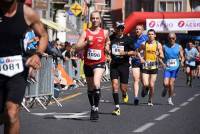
x=170 y=74
x=191 y=67
x=120 y=71
x=88 y=69
x=151 y=71
x=136 y=65
x=12 y=89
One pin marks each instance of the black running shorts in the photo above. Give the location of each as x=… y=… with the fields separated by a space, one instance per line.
x=12 y=89
x=151 y=71
x=120 y=71
x=88 y=69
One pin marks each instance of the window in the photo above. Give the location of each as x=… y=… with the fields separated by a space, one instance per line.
x=162 y=6
x=170 y=6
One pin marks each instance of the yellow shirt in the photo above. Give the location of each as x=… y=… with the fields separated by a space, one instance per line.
x=150 y=55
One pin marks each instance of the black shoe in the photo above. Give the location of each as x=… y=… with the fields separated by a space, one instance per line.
x=136 y=101
x=144 y=92
x=94 y=115
x=164 y=92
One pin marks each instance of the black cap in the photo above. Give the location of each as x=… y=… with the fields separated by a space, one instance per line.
x=119 y=25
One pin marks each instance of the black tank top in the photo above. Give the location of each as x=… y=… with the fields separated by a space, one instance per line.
x=12 y=30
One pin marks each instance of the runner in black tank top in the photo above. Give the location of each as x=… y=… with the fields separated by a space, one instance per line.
x=14 y=20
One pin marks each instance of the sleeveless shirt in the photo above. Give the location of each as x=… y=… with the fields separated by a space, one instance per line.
x=95 y=50
x=12 y=30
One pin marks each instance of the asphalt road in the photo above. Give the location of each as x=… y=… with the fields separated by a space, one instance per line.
x=73 y=117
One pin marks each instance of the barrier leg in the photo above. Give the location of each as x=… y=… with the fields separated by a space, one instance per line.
x=80 y=82
x=57 y=102
x=37 y=99
x=23 y=105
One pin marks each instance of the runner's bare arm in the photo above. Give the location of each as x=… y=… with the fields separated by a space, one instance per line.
x=160 y=50
x=141 y=49
x=107 y=45
x=81 y=42
x=33 y=20
x=160 y=54
x=182 y=55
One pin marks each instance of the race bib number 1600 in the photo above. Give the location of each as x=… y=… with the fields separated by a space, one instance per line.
x=12 y=65
x=94 y=54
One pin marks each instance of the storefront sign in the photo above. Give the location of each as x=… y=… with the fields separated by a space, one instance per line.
x=165 y=25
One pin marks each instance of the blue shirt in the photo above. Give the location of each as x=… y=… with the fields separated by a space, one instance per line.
x=171 y=56
x=190 y=55
x=136 y=44
x=29 y=36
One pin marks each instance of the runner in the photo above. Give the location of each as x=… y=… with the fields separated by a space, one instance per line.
x=15 y=18
x=172 y=52
x=198 y=61
x=95 y=41
x=190 y=55
x=136 y=65
x=152 y=53
x=119 y=67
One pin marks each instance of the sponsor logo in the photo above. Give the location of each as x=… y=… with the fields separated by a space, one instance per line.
x=181 y=23
x=152 y=24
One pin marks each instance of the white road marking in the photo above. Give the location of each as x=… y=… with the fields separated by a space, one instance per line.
x=64 y=115
x=191 y=99
x=184 y=104
x=174 y=109
x=144 y=127
x=162 y=117
x=196 y=95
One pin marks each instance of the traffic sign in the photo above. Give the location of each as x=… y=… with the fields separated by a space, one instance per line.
x=76 y=9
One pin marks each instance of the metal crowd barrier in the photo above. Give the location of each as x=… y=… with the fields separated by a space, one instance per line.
x=42 y=89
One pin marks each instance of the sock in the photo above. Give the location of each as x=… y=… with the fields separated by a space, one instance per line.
x=116 y=98
x=96 y=97
x=91 y=97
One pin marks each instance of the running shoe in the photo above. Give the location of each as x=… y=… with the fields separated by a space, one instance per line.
x=164 y=92
x=170 y=102
x=136 y=101
x=116 y=112
x=144 y=92
x=94 y=115
x=150 y=103
x=125 y=98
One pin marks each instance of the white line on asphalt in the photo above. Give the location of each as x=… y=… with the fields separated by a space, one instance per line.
x=196 y=95
x=184 y=104
x=144 y=127
x=162 y=117
x=174 y=109
x=191 y=99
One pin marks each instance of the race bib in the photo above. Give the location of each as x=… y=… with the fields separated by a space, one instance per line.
x=12 y=65
x=172 y=63
x=150 y=65
x=94 y=54
x=116 y=49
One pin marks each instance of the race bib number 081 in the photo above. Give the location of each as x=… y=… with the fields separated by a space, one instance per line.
x=12 y=65
x=116 y=49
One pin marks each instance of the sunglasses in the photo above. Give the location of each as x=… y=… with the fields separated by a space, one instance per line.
x=172 y=38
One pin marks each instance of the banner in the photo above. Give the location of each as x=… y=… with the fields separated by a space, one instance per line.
x=166 y=25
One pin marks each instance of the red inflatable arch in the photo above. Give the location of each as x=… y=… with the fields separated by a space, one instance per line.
x=140 y=17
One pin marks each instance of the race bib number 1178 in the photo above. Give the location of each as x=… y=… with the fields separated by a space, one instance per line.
x=12 y=65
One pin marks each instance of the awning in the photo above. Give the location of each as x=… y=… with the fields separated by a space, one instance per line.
x=54 y=25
